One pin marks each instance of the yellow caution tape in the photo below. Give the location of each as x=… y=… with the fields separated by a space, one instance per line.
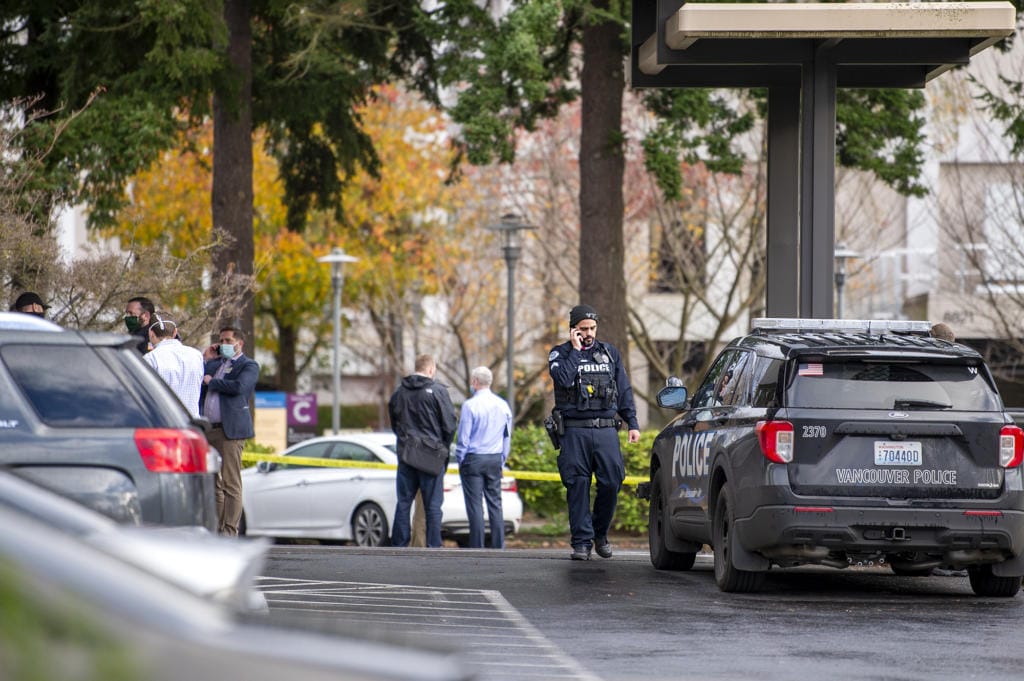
x=253 y=457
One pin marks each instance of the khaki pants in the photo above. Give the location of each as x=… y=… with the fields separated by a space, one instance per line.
x=229 y=482
x=419 y=522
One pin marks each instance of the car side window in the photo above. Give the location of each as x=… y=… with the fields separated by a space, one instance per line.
x=765 y=377
x=316 y=450
x=72 y=387
x=706 y=395
x=734 y=386
x=350 y=451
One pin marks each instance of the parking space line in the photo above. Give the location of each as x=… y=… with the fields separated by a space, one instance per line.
x=483 y=628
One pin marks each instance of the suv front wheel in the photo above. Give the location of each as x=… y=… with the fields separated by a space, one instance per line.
x=662 y=558
x=728 y=577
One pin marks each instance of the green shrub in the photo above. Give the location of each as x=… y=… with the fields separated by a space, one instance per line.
x=532 y=451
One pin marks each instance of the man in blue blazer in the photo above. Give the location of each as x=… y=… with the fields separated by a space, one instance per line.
x=228 y=384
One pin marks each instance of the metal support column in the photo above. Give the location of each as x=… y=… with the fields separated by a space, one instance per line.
x=783 y=211
x=817 y=179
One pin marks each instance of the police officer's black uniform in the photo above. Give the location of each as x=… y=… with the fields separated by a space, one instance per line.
x=592 y=392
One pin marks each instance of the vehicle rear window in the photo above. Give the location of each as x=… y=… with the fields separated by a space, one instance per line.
x=890 y=385
x=72 y=386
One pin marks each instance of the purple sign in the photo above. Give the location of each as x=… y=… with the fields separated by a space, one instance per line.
x=301 y=409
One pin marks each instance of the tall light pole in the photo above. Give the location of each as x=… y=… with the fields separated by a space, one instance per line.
x=509 y=227
x=842 y=254
x=336 y=258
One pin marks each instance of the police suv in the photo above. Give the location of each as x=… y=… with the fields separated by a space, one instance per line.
x=840 y=442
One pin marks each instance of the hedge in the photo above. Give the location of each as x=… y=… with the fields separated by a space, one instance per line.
x=532 y=451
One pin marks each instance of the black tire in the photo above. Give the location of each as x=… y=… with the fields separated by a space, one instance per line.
x=370 y=525
x=984 y=583
x=662 y=558
x=728 y=577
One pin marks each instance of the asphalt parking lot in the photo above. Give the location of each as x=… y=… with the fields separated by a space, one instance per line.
x=534 y=614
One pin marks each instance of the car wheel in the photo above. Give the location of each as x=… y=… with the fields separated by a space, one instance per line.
x=370 y=525
x=662 y=558
x=984 y=583
x=728 y=577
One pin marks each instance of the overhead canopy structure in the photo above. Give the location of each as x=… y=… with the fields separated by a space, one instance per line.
x=803 y=52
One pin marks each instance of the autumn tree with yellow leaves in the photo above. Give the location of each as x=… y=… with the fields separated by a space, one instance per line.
x=411 y=228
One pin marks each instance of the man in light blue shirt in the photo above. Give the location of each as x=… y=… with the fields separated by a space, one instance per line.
x=482 y=446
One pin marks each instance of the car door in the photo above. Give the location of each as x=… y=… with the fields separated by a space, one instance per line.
x=277 y=497
x=707 y=428
x=337 y=492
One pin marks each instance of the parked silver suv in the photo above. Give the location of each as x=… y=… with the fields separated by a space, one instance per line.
x=82 y=414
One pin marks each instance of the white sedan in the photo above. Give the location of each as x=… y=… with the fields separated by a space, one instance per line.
x=354 y=504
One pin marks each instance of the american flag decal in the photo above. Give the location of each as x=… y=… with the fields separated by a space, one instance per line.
x=812 y=369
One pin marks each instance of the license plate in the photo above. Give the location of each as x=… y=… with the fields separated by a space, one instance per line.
x=897 y=453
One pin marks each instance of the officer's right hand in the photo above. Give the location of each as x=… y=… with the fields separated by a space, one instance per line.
x=576 y=338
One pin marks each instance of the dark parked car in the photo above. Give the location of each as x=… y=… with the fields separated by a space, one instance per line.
x=82 y=600
x=840 y=443
x=82 y=414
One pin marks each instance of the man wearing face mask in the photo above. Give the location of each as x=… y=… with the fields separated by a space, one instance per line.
x=138 y=315
x=228 y=384
x=594 y=397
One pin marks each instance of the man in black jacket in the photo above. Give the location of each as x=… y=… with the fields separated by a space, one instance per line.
x=423 y=419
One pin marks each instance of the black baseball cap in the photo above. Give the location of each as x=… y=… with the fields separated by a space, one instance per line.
x=28 y=298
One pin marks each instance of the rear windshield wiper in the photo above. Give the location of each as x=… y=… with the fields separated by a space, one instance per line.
x=920 y=404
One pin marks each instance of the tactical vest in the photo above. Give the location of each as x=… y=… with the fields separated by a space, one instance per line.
x=594 y=388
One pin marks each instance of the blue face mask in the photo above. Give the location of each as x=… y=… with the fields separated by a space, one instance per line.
x=227 y=351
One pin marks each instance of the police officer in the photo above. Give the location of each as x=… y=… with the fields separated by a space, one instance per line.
x=591 y=393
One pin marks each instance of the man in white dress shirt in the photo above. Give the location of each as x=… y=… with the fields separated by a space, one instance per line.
x=179 y=365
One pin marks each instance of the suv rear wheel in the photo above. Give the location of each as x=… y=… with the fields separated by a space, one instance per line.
x=984 y=583
x=662 y=558
x=728 y=577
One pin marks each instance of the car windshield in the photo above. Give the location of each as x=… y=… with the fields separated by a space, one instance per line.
x=863 y=384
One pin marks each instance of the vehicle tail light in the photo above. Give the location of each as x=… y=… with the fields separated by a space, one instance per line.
x=509 y=485
x=172 y=450
x=776 y=439
x=1011 y=446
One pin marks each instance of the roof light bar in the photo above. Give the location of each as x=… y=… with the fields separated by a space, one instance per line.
x=868 y=326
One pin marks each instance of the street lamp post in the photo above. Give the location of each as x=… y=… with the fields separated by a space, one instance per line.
x=510 y=226
x=842 y=254
x=336 y=258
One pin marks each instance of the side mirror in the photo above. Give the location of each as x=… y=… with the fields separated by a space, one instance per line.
x=673 y=397
x=264 y=466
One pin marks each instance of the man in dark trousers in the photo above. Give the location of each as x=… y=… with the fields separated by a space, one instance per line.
x=228 y=385
x=423 y=419
x=592 y=392
x=483 y=445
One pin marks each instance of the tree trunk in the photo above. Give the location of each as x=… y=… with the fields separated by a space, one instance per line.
x=287 y=339
x=232 y=195
x=602 y=282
